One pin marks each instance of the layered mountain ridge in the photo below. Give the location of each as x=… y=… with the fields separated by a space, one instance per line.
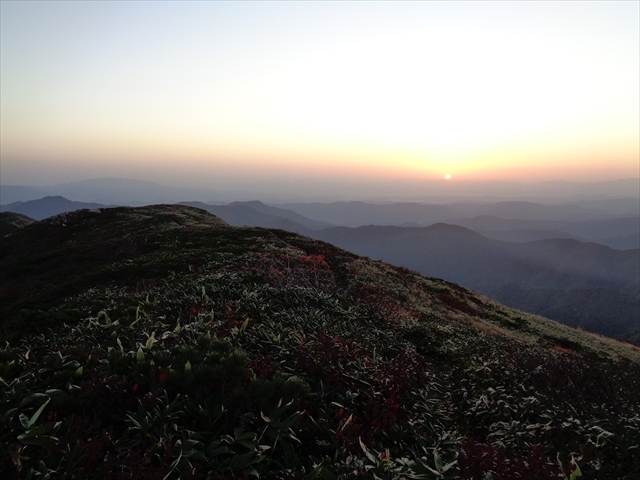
x=549 y=267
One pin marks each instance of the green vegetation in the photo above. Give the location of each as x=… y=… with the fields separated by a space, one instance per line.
x=179 y=347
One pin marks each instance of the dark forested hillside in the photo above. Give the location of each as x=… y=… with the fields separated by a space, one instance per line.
x=160 y=342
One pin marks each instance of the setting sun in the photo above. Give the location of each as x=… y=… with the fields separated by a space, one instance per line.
x=200 y=92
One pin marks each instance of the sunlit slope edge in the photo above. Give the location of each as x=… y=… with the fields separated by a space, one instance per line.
x=184 y=334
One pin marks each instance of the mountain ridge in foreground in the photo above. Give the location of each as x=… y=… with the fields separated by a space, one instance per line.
x=161 y=340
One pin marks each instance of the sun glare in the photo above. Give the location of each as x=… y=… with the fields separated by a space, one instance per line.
x=404 y=90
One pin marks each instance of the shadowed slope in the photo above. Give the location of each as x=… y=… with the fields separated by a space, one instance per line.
x=10 y=221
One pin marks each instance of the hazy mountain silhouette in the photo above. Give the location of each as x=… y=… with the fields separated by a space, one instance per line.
x=123 y=191
x=510 y=221
x=47 y=207
x=508 y=271
x=110 y=191
x=622 y=233
x=527 y=211
x=627 y=206
x=356 y=214
x=257 y=214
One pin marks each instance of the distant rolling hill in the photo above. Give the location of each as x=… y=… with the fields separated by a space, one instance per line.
x=515 y=273
x=509 y=221
x=528 y=211
x=622 y=233
x=47 y=207
x=258 y=214
x=614 y=222
x=108 y=191
x=356 y=214
x=623 y=205
x=252 y=213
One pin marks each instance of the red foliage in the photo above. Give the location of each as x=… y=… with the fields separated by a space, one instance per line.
x=103 y=391
x=226 y=321
x=563 y=350
x=315 y=262
x=262 y=366
x=91 y=437
x=476 y=460
x=456 y=303
x=327 y=356
x=403 y=374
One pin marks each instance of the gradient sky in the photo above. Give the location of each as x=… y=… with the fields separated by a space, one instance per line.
x=212 y=93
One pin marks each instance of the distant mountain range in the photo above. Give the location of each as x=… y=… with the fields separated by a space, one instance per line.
x=257 y=214
x=622 y=233
x=47 y=207
x=534 y=258
x=110 y=191
x=357 y=214
x=582 y=284
x=522 y=221
x=124 y=191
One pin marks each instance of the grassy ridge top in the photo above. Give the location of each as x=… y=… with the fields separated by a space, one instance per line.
x=193 y=349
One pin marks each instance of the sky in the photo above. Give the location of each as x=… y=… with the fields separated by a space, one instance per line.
x=284 y=93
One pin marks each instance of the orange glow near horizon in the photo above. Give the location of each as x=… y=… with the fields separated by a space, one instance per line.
x=167 y=159
x=492 y=91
